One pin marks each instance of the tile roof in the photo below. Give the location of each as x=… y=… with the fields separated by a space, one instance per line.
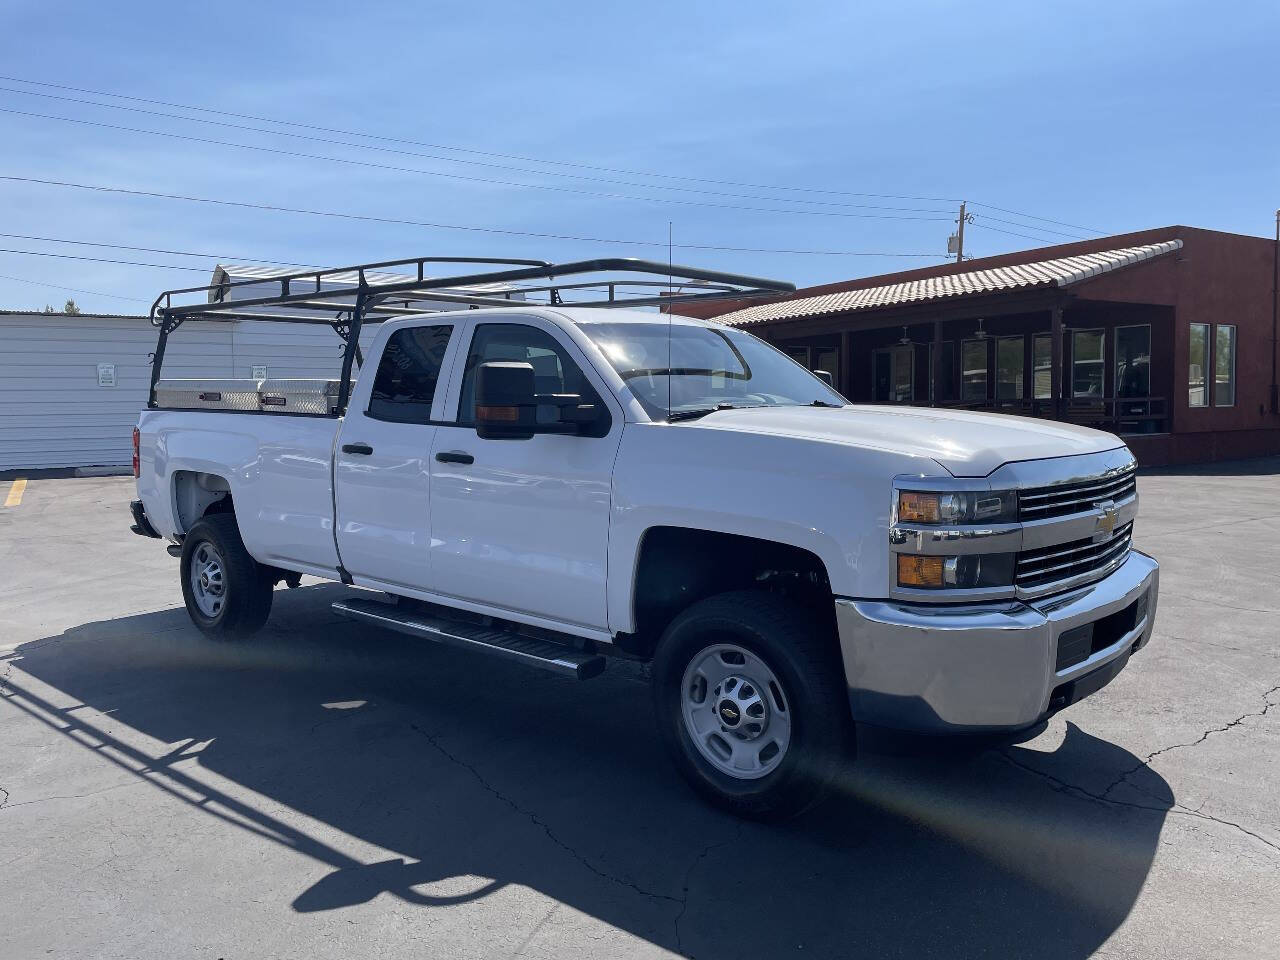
x=1062 y=272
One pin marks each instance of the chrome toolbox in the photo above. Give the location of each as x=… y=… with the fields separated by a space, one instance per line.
x=240 y=394
x=299 y=396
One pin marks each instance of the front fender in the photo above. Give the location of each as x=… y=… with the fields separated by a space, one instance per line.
x=831 y=499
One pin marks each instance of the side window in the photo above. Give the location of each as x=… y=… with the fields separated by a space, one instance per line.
x=1224 y=365
x=408 y=372
x=1197 y=361
x=553 y=371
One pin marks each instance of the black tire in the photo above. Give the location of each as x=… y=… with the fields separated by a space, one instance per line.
x=247 y=588
x=800 y=649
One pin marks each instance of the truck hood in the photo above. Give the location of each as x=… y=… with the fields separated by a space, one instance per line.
x=966 y=444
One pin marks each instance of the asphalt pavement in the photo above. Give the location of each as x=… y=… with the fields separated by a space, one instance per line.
x=330 y=791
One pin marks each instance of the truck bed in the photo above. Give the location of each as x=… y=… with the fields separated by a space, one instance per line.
x=277 y=462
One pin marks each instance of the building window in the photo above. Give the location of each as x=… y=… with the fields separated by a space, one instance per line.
x=799 y=354
x=1042 y=369
x=1224 y=365
x=1010 y=360
x=1197 y=361
x=973 y=371
x=1087 y=364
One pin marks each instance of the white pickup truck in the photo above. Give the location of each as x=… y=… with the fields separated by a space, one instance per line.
x=558 y=484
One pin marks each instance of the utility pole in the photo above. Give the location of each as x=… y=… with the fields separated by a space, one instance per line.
x=955 y=243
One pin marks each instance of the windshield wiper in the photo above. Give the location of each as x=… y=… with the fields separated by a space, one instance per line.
x=677 y=415
x=823 y=403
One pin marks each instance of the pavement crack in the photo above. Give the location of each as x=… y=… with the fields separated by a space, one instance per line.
x=540 y=823
x=1234 y=606
x=1160 y=805
x=1197 y=813
x=688 y=874
x=4 y=801
x=1145 y=762
x=6 y=805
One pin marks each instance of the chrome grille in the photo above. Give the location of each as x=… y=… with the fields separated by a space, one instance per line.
x=1077 y=559
x=1039 y=503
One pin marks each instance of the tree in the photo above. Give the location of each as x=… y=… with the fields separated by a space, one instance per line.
x=71 y=308
x=48 y=308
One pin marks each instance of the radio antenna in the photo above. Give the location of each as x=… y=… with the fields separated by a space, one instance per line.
x=669 y=304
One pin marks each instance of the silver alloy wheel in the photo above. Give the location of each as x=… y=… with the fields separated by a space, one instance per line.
x=735 y=711
x=208 y=579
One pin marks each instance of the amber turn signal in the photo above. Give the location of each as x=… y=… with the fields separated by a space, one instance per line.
x=918 y=507
x=916 y=571
x=501 y=414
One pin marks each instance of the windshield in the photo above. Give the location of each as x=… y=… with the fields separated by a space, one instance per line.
x=704 y=368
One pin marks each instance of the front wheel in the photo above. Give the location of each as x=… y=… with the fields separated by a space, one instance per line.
x=228 y=595
x=751 y=703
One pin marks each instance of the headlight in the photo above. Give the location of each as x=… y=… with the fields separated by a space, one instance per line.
x=966 y=572
x=967 y=506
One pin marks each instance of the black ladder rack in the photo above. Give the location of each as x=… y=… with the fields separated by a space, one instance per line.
x=345 y=298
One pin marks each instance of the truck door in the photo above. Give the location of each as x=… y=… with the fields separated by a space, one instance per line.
x=523 y=525
x=382 y=475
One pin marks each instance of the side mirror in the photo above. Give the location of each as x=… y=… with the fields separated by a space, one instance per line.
x=826 y=377
x=505 y=405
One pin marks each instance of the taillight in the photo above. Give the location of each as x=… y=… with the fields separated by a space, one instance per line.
x=136 y=470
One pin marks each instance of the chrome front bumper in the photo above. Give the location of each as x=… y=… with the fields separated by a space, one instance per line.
x=988 y=666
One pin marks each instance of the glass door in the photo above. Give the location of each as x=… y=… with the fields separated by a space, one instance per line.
x=1010 y=360
x=1133 y=378
x=893 y=374
x=973 y=371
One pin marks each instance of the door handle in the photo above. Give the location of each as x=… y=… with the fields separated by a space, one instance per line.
x=455 y=456
x=363 y=449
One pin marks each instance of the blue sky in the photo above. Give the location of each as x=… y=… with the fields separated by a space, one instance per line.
x=1111 y=116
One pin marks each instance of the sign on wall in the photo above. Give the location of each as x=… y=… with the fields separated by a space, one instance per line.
x=259 y=371
x=106 y=374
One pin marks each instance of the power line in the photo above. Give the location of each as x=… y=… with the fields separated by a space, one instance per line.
x=1012 y=234
x=298 y=154
x=474 y=152
x=127 y=263
x=177 y=253
x=521 y=158
x=56 y=286
x=1029 y=216
x=1035 y=227
x=429 y=156
x=274 y=208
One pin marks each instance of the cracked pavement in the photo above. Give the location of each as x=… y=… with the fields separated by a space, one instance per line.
x=327 y=791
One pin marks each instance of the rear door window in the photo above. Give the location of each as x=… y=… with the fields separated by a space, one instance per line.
x=408 y=374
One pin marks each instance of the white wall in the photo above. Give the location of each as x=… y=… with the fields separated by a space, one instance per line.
x=53 y=413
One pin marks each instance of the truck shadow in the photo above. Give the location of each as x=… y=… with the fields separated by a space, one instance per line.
x=478 y=775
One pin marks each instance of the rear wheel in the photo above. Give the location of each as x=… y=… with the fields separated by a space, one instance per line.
x=751 y=703
x=227 y=593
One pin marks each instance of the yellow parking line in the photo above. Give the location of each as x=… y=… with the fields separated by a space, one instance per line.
x=15 y=492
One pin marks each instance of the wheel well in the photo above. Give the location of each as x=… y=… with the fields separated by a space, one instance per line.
x=679 y=567
x=197 y=494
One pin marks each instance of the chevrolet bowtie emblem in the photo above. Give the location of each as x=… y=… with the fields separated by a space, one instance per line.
x=1106 y=520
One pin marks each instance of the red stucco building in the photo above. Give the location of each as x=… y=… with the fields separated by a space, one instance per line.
x=1165 y=336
